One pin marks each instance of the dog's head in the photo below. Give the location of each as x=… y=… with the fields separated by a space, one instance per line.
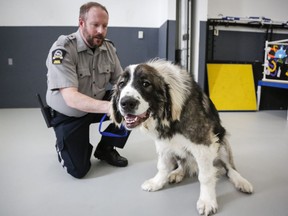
x=138 y=95
x=142 y=92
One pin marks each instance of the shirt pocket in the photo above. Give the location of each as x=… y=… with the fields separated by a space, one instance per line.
x=84 y=77
x=104 y=75
x=83 y=72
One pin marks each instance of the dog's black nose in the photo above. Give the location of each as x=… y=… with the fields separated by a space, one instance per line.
x=128 y=103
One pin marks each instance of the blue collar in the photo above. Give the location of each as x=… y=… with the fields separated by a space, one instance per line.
x=124 y=131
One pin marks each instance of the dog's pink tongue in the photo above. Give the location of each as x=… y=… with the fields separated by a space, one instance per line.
x=130 y=118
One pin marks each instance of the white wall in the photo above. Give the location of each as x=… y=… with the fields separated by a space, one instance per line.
x=128 y=13
x=275 y=10
x=167 y=10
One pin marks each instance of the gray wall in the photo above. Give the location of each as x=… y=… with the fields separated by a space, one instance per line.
x=167 y=41
x=29 y=46
x=202 y=54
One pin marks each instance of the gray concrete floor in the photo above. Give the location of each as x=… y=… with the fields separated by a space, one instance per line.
x=33 y=182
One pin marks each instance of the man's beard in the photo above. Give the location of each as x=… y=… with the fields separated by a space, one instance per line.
x=91 y=40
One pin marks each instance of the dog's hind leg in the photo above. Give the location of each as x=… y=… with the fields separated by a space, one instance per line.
x=227 y=158
x=178 y=174
x=187 y=166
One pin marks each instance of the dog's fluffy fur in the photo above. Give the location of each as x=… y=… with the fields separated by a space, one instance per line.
x=166 y=103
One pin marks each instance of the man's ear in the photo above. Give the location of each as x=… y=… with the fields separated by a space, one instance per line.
x=80 y=22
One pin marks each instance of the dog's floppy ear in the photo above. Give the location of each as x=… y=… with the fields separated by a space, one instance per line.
x=175 y=86
x=172 y=106
x=115 y=115
x=176 y=111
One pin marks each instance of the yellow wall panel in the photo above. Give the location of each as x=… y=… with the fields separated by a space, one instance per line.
x=231 y=86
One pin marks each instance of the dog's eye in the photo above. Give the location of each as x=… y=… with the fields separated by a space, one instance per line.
x=120 y=84
x=146 y=84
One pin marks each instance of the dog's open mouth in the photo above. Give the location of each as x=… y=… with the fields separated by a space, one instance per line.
x=132 y=121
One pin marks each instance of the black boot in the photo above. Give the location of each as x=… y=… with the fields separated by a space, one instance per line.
x=110 y=155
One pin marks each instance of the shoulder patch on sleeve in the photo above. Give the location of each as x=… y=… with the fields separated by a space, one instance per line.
x=58 y=56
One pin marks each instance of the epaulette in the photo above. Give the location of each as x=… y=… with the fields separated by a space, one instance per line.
x=109 y=41
x=65 y=39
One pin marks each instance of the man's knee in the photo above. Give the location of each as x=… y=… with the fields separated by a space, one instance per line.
x=78 y=173
x=78 y=170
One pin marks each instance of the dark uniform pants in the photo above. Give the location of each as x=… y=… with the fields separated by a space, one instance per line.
x=73 y=141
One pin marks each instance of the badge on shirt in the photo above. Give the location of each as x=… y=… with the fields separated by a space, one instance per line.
x=58 y=56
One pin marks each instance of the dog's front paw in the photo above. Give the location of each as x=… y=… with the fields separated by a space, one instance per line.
x=207 y=207
x=151 y=185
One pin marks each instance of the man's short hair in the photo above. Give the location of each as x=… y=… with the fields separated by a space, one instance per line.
x=86 y=7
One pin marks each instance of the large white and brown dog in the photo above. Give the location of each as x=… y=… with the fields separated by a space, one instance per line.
x=166 y=103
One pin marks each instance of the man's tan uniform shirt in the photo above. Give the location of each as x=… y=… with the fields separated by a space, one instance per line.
x=71 y=63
